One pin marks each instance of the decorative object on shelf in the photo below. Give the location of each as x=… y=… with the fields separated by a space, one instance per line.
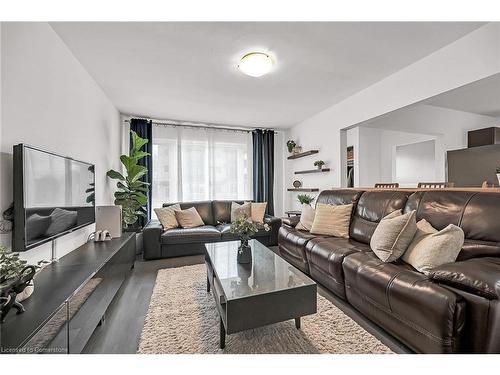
x=319 y=164
x=305 y=198
x=296 y=184
x=15 y=276
x=290 y=145
x=245 y=228
x=131 y=191
x=498 y=174
x=297 y=150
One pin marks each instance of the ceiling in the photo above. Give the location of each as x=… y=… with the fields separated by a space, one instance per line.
x=186 y=71
x=481 y=97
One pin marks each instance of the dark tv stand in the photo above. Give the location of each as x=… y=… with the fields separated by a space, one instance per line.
x=70 y=299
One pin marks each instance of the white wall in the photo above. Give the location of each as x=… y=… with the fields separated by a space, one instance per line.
x=49 y=100
x=473 y=57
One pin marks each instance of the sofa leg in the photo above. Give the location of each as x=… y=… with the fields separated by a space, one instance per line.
x=297 y=322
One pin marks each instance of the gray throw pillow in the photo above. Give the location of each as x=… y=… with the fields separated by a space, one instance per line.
x=61 y=220
x=393 y=235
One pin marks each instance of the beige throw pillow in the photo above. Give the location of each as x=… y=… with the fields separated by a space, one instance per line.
x=332 y=220
x=189 y=218
x=240 y=210
x=393 y=235
x=306 y=218
x=431 y=248
x=258 y=210
x=166 y=215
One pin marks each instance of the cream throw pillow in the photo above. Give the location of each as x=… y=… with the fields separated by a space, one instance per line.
x=166 y=215
x=431 y=248
x=393 y=235
x=239 y=210
x=332 y=220
x=189 y=218
x=258 y=210
x=306 y=218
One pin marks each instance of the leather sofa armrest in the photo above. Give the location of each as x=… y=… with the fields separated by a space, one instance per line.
x=275 y=224
x=479 y=276
x=151 y=235
x=291 y=221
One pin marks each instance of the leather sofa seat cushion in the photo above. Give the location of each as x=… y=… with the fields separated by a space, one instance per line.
x=406 y=303
x=226 y=234
x=325 y=256
x=371 y=208
x=292 y=244
x=479 y=276
x=204 y=233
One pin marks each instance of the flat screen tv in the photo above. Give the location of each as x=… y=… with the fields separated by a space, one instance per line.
x=53 y=196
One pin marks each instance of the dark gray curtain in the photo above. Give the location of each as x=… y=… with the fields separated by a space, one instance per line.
x=144 y=129
x=263 y=168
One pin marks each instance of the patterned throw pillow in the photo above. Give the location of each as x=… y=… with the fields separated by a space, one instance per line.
x=393 y=235
x=166 y=215
x=239 y=210
x=332 y=220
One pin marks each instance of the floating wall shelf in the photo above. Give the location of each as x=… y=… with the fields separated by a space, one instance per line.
x=302 y=154
x=303 y=189
x=314 y=171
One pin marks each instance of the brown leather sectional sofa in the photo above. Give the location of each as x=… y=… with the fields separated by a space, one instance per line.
x=454 y=309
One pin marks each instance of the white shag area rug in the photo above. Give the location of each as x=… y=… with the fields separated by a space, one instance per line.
x=182 y=319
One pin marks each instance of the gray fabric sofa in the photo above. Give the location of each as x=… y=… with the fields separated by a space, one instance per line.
x=159 y=243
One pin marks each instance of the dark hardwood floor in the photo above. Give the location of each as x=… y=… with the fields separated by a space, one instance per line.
x=122 y=327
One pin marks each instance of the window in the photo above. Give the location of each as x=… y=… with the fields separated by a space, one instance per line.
x=200 y=164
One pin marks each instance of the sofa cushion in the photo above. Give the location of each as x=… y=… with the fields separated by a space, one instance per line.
x=222 y=211
x=205 y=233
x=480 y=276
x=306 y=218
x=419 y=312
x=189 y=218
x=166 y=216
x=258 y=210
x=292 y=244
x=239 y=211
x=325 y=256
x=372 y=206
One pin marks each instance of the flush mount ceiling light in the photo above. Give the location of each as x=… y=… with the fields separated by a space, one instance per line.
x=256 y=64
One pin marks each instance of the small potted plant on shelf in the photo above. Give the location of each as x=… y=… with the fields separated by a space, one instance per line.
x=319 y=164
x=245 y=228
x=290 y=145
x=305 y=199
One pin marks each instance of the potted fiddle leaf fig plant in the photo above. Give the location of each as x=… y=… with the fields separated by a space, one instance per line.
x=131 y=193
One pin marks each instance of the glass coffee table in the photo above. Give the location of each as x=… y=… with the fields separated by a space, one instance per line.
x=268 y=290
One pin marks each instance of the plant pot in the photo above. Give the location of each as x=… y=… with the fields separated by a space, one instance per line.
x=297 y=150
x=244 y=255
x=28 y=291
x=498 y=177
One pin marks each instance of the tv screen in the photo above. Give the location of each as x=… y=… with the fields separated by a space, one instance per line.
x=53 y=195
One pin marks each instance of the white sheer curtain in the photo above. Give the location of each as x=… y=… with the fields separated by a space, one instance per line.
x=200 y=164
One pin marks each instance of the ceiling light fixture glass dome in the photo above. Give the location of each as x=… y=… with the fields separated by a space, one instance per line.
x=256 y=64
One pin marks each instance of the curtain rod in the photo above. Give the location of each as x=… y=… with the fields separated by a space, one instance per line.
x=199 y=125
